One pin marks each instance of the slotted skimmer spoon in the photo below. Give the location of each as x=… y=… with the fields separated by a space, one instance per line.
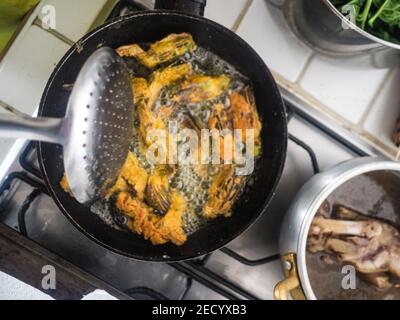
x=96 y=131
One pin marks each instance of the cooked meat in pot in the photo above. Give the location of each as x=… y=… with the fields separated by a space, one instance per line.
x=371 y=245
x=358 y=227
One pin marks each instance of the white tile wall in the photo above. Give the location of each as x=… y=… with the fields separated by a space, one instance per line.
x=381 y=121
x=26 y=68
x=342 y=87
x=265 y=29
x=231 y=11
x=74 y=17
x=24 y=72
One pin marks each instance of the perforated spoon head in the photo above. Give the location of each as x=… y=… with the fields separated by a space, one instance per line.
x=98 y=126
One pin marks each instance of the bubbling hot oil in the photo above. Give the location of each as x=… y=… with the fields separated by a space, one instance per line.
x=185 y=180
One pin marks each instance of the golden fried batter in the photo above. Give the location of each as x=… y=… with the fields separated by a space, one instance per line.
x=132 y=176
x=158 y=189
x=198 y=88
x=171 y=226
x=222 y=192
x=159 y=230
x=244 y=115
x=164 y=78
x=132 y=50
x=241 y=115
x=65 y=185
x=169 y=48
x=141 y=91
x=221 y=119
x=146 y=95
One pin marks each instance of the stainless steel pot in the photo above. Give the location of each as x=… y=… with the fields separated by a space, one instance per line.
x=320 y=25
x=295 y=227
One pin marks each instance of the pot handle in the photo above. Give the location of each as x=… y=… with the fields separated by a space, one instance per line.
x=291 y=284
x=195 y=7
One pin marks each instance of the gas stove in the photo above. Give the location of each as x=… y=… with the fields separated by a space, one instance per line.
x=248 y=268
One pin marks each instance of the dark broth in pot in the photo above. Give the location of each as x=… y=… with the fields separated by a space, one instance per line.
x=376 y=195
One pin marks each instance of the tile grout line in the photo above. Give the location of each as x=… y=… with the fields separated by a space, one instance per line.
x=309 y=58
x=11 y=109
x=305 y=68
x=314 y=102
x=242 y=14
x=40 y=23
x=375 y=97
x=296 y=88
x=318 y=105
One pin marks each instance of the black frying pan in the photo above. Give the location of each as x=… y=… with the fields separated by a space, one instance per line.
x=148 y=27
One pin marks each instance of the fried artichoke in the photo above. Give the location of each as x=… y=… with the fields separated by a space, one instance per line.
x=143 y=220
x=158 y=193
x=198 y=88
x=222 y=193
x=165 y=50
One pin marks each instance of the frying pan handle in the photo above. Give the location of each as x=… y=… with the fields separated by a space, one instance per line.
x=195 y=7
x=42 y=129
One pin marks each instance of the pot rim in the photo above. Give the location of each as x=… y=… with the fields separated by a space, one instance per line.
x=358 y=29
x=350 y=169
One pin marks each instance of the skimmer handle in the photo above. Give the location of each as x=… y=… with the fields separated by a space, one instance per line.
x=41 y=129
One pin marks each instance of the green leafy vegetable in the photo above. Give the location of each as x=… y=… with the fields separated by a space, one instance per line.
x=378 y=17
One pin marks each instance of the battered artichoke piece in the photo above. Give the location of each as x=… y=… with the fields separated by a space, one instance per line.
x=245 y=115
x=132 y=50
x=143 y=220
x=141 y=92
x=171 y=73
x=169 y=48
x=198 y=88
x=170 y=226
x=146 y=95
x=221 y=119
x=240 y=115
x=132 y=177
x=147 y=118
x=158 y=193
x=223 y=193
x=165 y=77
